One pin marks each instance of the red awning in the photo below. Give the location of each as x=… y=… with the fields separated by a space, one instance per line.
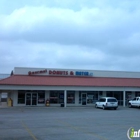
x=70 y=81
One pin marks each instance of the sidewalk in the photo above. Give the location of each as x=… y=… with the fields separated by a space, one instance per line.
x=56 y=107
x=3 y=105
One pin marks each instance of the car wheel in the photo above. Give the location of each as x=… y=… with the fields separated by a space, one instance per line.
x=103 y=107
x=129 y=105
x=96 y=106
x=115 y=108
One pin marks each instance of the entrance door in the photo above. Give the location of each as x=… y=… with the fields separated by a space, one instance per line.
x=31 y=98
x=84 y=98
x=34 y=98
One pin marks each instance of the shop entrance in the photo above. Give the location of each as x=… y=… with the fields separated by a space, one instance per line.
x=31 y=98
x=84 y=98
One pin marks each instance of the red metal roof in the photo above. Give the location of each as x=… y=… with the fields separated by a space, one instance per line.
x=70 y=81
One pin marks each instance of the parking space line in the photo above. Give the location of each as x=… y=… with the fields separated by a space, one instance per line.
x=29 y=131
x=79 y=129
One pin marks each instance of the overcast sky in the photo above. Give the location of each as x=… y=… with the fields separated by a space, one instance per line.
x=71 y=34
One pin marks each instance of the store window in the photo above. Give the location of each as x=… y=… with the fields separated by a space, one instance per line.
x=117 y=94
x=21 y=97
x=71 y=97
x=109 y=93
x=129 y=95
x=102 y=100
x=56 y=97
x=137 y=93
x=92 y=97
x=41 y=97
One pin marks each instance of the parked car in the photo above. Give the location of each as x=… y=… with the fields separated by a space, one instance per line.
x=107 y=102
x=135 y=102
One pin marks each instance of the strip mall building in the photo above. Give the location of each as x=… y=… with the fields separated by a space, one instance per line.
x=33 y=86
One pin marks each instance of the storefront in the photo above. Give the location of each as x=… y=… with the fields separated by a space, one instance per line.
x=33 y=86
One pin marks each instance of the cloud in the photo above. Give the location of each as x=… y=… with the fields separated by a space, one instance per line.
x=93 y=26
x=73 y=34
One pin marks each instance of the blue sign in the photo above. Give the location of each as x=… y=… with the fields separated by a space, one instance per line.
x=79 y=73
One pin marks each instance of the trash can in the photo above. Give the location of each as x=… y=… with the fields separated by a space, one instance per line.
x=62 y=104
x=47 y=102
x=10 y=102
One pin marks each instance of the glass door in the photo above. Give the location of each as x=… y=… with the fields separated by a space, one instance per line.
x=31 y=99
x=28 y=98
x=84 y=98
x=34 y=98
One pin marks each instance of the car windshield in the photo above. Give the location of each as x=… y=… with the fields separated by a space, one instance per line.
x=112 y=100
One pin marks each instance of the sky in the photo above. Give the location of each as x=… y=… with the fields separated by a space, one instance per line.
x=70 y=34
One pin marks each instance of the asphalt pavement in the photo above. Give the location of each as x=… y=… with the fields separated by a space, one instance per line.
x=71 y=123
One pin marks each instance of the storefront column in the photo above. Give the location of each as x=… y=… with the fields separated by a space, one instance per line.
x=65 y=98
x=124 y=98
x=76 y=98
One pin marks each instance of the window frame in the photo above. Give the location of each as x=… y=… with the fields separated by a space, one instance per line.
x=72 y=100
x=21 y=98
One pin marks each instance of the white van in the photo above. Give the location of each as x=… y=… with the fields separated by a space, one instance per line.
x=107 y=102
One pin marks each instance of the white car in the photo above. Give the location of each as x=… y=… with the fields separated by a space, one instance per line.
x=107 y=102
x=135 y=102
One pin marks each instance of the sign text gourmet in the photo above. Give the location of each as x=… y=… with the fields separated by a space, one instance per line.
x=37 y=72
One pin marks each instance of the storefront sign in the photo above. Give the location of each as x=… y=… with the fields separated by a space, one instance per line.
x=79 y=73
x=61 y=73
x=37 y=72
x=56 y=72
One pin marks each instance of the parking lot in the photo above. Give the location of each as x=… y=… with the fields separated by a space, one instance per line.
x=71 y=123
